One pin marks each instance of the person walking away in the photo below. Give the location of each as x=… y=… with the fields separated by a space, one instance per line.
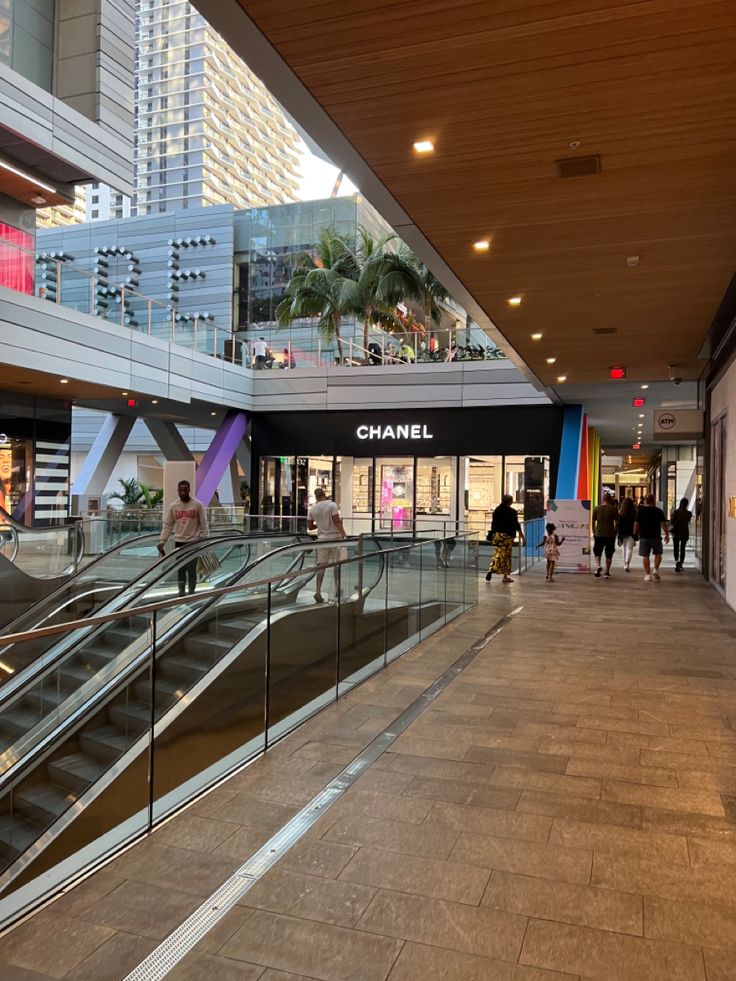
x=324 y=517
x=626 y=520
x=504 y=529
x=650 y=525
x=680 y=522
x=551 y=545
x=260 y=349
x=187 y=521
x=605 y=526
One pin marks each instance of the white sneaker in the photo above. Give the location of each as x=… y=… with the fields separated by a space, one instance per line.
x=647 y=578
x=657 y=576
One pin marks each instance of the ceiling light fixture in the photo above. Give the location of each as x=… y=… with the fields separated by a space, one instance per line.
x=154 y=401
x=123 y=393
x=64 y=381
x=514 y=301
x=537 y=337
x=561 y=378
x=645 y=387
x=641 y=415
x=424 y=146
x=37 y=199
x=27 y=177
x=213 y=413
x=483 y=245
x=551 y=360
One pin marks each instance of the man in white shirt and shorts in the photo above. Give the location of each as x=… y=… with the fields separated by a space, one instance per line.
x=324 y=517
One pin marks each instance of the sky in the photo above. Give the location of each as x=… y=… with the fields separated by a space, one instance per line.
x=318 y=178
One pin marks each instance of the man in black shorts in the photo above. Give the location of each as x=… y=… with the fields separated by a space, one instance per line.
x=651 y=524
x=605 y=528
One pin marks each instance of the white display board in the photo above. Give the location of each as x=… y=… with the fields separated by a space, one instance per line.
x=572 y=519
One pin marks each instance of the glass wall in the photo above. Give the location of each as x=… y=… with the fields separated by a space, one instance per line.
x=407 y=493
x=27 y=39
x=16 y=258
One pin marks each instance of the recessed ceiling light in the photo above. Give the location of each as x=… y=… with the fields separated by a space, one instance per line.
x=514 y=301
x=561 y=378
x=424 y=146
x=641 y=415
x=645 y=386
x=154 y=401
x=213 y=413
x=64 y=381
x=551 y=360
x=536 y=337
x=123 y=393
x=482 y=246
x=37 y=199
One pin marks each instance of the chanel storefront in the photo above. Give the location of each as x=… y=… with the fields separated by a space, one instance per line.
x=404 y=469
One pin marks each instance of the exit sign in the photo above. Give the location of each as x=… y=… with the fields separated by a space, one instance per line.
x=639 y=403
x=636 y=446
x=617 y=372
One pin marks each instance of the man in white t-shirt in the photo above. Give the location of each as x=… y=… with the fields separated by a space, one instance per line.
x=324 y=517
x=260 y=349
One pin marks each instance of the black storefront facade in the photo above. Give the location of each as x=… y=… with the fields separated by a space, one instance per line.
x=405 y=469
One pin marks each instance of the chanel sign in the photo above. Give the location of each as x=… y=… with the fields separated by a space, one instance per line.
x=409 y=431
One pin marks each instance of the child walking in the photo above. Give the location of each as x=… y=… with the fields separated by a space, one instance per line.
x=551 y=544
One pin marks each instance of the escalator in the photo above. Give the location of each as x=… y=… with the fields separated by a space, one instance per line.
x=34 y=562
x=77 y=759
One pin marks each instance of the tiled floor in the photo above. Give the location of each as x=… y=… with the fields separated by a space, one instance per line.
x=566 y=809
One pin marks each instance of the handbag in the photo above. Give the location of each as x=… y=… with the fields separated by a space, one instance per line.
x=207 y=566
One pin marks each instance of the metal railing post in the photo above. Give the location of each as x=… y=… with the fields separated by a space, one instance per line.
x=150 y=317
x=289 y=350
x=319 y=352
x=58 y=282
x=350 y=353
x=92 y=287
x=122 y=306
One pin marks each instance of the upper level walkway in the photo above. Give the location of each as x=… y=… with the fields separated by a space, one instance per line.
x=561 y=806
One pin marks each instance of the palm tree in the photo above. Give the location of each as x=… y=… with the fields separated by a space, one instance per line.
x=322 y=287
x=431 y=294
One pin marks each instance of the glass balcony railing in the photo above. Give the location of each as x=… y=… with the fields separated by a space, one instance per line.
x=141 y=710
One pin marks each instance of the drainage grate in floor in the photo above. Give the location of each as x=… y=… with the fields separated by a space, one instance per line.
x=179 y=943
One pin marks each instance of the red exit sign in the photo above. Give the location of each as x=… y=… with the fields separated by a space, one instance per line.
x=639 y=403
x=617 y=372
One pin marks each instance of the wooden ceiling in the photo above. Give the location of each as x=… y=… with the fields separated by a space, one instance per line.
x=503 y=88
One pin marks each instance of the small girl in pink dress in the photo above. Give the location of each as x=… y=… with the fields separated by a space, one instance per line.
x=551 y=544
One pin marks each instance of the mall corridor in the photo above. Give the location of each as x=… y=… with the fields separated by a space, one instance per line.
x=564 y=808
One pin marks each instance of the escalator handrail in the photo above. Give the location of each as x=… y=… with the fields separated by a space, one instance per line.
x=28 y=675
x=33 y=672
x=124 y=614
x=18 y=768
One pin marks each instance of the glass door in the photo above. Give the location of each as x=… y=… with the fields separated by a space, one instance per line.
x=718 y=503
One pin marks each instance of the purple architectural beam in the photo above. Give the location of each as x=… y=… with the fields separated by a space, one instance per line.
x=217 y=459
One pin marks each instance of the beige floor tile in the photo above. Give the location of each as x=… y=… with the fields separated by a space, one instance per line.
x=626 y=772
x=242 y=843
x=565 y=902
x=683 y=823
x=430 y=841
x=113 y=960
x=690 y=923
x=388 y=807
x=179 y=869
x=424 y=766
x=525 y=858
x=662 y=879
x=488 y=932
x=509 y=776
x=311 y=897
x=197 y=967
x=252 y=812
x=580 y=809
x=421 y=963
x=142 y=909
x=318 y=950
x=625 y=842
x=607 y=752
x=323 y=858
x=705 y=802
x=223 y=930
x=463 y=792
x=422 y=876
x=199 y=834
x=720 y=965
x=613 y=956
x=487 y=821
x=545 y=762
x=50 y=944
x=707 y=853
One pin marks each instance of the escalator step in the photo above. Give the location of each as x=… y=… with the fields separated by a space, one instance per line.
x=42 y=699
x=76 y=772
x=17 y=721
x=74 y=674
x=107 y=743
x=204 y=646
x=16 y=834
x=233 y=627
x=132 y=717
x=183 y=668
x=43 y=802
x=167 y=691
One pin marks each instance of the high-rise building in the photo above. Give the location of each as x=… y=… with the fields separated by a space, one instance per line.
x=207 y=130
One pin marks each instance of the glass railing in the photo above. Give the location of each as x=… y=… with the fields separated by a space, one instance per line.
x=168 y=697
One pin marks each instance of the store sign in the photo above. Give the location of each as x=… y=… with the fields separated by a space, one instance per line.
x=411 y=431
x=678 y=423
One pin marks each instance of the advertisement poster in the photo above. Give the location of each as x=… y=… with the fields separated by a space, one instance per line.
x=573 y=524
